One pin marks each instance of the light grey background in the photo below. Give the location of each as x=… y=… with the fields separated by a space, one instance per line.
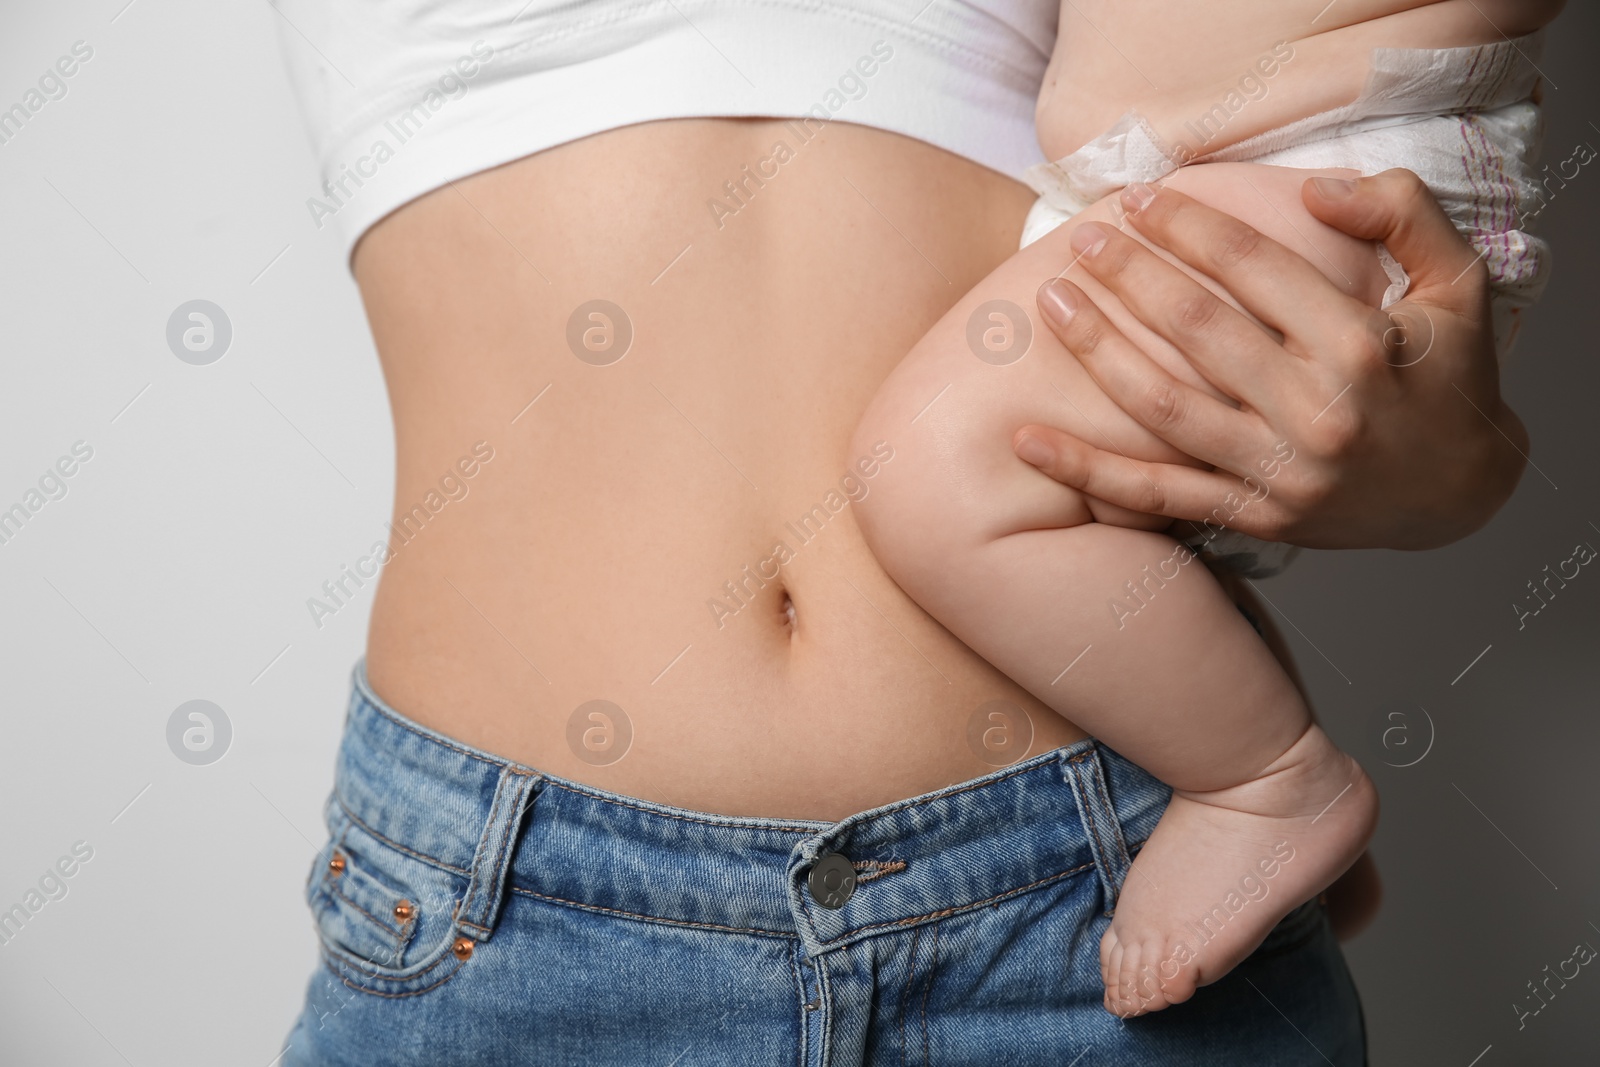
x=220 y=497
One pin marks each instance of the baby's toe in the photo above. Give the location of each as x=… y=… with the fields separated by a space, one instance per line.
x=1110 y=953
x=1130 y=979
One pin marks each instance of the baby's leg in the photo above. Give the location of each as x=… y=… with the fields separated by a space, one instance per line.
x=1117 y=627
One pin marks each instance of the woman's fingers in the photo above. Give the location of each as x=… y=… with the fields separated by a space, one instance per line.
x=1183 y=416
x=1168 y=489
x=1396 y=207
x=1278 y=285
x=1233 y=353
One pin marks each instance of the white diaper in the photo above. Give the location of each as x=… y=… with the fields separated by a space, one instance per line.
x=1462 y=118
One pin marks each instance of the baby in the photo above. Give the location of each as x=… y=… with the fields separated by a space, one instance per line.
x=1094 y=608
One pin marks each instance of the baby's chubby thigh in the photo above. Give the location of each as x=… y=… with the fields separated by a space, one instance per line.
x=992 y=365
x=1268 y=199
x=950 y=409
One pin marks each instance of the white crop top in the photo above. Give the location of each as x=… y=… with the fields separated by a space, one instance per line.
x=402 y=96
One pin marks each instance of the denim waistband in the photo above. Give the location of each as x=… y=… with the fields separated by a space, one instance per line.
x=508 y=828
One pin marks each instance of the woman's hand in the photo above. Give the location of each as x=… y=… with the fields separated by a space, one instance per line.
x=1400 y=437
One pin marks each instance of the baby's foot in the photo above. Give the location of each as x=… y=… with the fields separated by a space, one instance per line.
x=1354 y=898
x=1223 y=867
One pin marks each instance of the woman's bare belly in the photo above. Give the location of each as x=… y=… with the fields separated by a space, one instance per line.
x=622 y=543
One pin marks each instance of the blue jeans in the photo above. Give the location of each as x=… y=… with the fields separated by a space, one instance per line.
x=474 y=911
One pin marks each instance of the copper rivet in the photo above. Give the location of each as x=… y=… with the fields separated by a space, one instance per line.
x=403 y=911
x=462 y=948
x=336 y=864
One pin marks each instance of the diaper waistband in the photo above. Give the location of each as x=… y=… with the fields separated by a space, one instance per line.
x=1404 y=85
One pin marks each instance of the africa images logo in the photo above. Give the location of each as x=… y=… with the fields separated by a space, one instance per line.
x=404 y=125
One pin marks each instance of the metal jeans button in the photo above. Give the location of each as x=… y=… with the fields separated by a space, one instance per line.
x=832 y=881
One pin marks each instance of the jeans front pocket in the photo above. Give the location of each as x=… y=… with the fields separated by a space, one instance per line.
x=385 y=917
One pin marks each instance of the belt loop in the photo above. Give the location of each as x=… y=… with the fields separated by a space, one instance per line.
x=480 y=908
x=1085 y=773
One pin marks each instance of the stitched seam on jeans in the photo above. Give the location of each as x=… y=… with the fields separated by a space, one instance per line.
x=519 y=769
x=1102 y=797
x=441 y=864
x=394 y=996
x=507 y=837
x=1092 y=822
x=916 y=803
x=395 y=937
x=875 y=869
x=682 y=818
x=1116 y=824
x=651 y=918
x=445 y=742
x=1092 y=814
x=905 y=993
x=475 y=890
x=927 y=989
x=958 y=909
x=825 y=1024
x=357 y=963
x=800 y=988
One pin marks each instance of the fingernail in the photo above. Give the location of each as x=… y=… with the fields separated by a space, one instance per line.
x=1057 y=302
x=1137 y=197
x=1333 y=188
x=1033 y=450
x=1089 y=239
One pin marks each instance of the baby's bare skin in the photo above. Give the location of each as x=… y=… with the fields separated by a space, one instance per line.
x=1031 y=574
x=1172 y=60
x=1286 y=61
x=1028 y=572
x=1205 y=78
